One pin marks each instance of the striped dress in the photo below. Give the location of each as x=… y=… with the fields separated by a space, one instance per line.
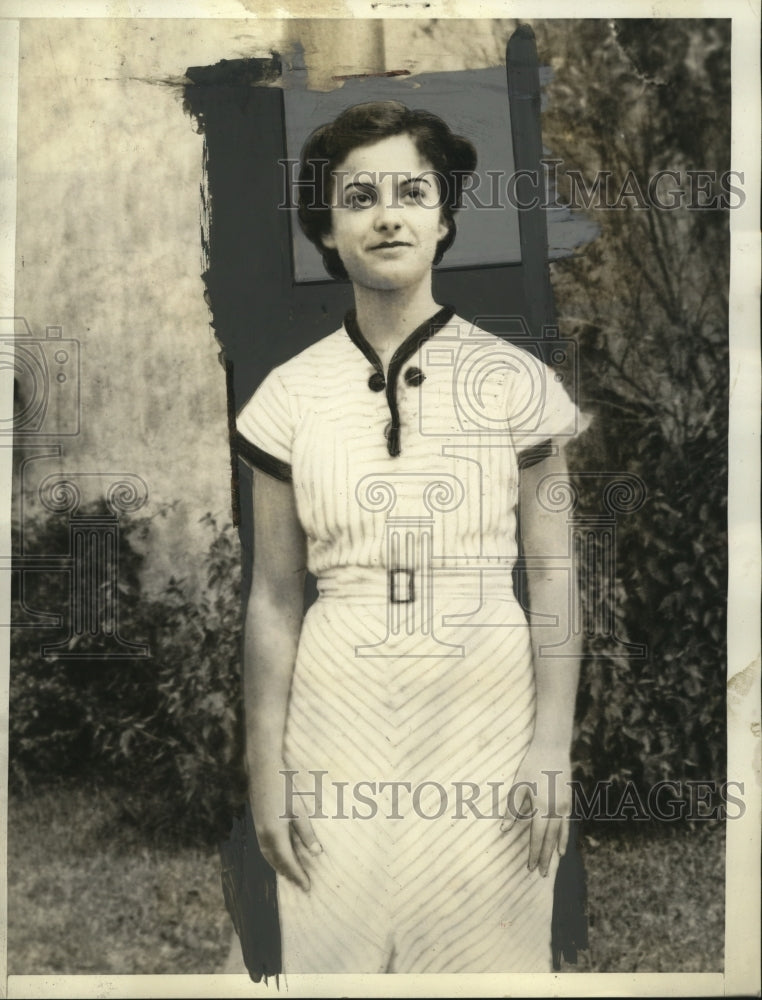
x=412 y=699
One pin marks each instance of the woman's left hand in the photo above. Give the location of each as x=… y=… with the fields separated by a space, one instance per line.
x=542 y=790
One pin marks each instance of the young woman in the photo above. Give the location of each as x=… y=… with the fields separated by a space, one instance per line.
x=395 y=731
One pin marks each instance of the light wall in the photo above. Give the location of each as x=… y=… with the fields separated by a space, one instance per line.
x=108 y=243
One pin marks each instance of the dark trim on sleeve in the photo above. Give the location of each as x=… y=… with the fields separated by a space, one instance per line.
x=262 y=459
x=536 y=453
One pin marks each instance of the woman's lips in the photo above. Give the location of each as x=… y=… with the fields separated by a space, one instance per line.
x=391 y=245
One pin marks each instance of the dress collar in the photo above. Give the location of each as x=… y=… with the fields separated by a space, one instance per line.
x=409 y=345
x=404 y=352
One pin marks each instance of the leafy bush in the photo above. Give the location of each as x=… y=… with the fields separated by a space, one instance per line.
x=661 y=716
x=167 y=727
x=55 y=703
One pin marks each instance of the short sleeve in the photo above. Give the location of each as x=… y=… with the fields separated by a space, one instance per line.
x=539 y=408
x=265 y=428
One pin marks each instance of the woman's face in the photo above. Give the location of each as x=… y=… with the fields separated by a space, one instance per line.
x=386 y=220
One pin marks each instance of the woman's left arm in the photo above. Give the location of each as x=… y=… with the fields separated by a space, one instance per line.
x=547 y=766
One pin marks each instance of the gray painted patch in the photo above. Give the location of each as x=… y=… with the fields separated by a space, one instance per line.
x=474 y=103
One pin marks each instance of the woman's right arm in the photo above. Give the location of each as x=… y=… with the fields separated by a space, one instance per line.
x=271 y=635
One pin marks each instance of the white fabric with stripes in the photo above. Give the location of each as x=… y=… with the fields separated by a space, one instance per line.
x=433 y=693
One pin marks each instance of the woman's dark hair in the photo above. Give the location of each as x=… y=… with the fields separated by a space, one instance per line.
x=452 y=157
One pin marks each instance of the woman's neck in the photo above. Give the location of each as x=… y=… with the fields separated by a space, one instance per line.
x=387 y=318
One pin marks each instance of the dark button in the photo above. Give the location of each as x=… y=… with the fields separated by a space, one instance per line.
x=414 y=376
x=377 y=382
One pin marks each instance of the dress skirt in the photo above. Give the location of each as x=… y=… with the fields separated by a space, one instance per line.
x=411 y=708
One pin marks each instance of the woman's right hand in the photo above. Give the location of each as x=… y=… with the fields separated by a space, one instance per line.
x=275 y=830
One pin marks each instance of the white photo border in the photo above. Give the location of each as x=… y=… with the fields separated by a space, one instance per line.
x=742 y=959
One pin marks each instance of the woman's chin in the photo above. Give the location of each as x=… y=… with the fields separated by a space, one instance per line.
x=391 y=280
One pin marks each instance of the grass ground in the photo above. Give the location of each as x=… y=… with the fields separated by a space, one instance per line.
x=87 y=894
x=655 y=898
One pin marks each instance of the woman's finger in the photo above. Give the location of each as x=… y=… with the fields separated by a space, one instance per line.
x=563 y=840
x=550 y=839
x=536 y=839
x=304 y=830
x=302 y=825
x=279 y=854
x=286 y=863
x=519 y=807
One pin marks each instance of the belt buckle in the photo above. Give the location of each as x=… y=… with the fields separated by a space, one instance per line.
x=401 y=586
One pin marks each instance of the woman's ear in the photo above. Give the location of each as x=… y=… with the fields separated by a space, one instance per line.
x=446 y=226
x=328 y=240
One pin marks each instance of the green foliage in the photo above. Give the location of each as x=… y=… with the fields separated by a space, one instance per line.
x=166 y=726
x=55 y=707
x=648 y=304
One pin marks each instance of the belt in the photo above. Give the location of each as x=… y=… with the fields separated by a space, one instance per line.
x=406 y=585
x=401 y=586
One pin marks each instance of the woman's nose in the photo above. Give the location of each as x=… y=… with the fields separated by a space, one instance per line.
x=386 y=221
x=387 y=213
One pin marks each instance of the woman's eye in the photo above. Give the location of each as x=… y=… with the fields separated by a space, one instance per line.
x=416 y=194
x=360 y=199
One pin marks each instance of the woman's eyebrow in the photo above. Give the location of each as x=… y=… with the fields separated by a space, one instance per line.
x=421 y=179
x=359 y=184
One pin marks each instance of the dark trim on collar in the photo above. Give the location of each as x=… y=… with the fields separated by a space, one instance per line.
x=261 y=459
x=404 y=352
x=535 y=453
x=358 y=339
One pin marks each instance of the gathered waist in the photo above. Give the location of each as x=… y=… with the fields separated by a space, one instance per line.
x=402 y=585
